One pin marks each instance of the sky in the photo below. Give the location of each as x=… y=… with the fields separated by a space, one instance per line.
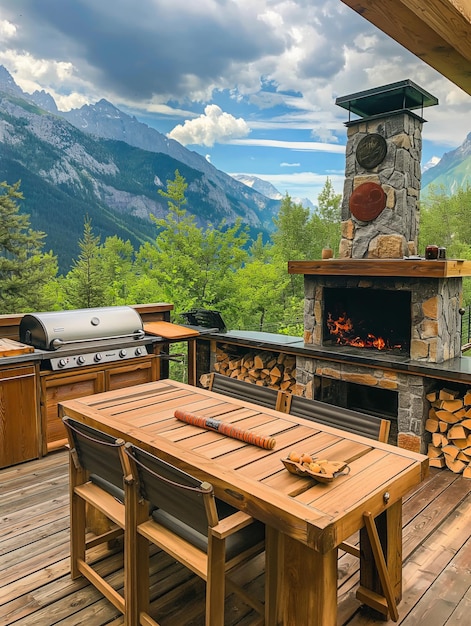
x=249 y=84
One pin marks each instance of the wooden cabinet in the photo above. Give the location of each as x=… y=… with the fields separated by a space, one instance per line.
x=57 y=387
x=19 y=434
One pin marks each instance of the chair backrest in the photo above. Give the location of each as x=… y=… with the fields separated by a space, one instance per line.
x=270 y=398
x=339 y=417
x=173 y=491
x=99 y=454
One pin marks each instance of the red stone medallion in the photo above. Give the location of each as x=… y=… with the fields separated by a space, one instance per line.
x=367 y=201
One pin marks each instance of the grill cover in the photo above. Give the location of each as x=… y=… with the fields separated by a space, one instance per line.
x=48 y=330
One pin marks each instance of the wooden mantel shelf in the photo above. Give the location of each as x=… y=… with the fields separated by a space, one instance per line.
x=383 y=267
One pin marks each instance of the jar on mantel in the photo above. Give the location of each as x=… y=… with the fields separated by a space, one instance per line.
x=431 y=252
x=327 y=253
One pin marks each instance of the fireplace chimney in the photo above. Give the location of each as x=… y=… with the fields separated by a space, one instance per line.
x=380 y=215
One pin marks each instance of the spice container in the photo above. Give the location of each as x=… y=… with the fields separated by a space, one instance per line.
x=431 y=252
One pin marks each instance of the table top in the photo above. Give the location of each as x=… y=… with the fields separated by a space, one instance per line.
x=249 y=477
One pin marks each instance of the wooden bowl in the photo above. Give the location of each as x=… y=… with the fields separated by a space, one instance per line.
x=341 y=469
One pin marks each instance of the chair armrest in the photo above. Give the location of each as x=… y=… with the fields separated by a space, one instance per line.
x=231 y=524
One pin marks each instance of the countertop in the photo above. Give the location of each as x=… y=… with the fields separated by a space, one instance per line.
x=458 y=369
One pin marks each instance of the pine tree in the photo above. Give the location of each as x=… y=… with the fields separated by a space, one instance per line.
x=85 y=285
x=26 y=273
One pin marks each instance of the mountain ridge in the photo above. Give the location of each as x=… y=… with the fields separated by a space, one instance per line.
x=451 y=172
x=68 y=174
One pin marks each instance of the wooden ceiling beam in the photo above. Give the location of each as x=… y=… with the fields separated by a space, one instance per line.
x=437 y=31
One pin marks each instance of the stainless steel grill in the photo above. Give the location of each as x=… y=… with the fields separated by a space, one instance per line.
x=84 y=337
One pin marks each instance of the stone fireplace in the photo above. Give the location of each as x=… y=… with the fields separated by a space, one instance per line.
x=394 y=316
x=418 y=302
x=380 y=306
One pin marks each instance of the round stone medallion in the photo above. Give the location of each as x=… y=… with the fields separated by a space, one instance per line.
x=367 y=201
x=371 y=151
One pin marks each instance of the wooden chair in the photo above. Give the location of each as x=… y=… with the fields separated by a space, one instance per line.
x=97 y=467
x=345 y=419
x=367 y=426
x=205 y=534
x=270 y=398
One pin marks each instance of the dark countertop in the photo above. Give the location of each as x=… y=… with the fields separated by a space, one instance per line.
x=458 y=369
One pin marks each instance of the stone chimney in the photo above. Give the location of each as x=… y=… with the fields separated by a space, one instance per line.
x=380 y=207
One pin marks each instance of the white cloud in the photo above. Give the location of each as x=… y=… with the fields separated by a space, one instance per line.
x=7 y=30
x=215 y=126
x=312 y=146
x=290 y=164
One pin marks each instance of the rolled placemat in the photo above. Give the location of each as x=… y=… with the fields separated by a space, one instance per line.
x=226 y=429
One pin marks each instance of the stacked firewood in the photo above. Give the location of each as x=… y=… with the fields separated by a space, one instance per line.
x=269 y=369
x=449 y=422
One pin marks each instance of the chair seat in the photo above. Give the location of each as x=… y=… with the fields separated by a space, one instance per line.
x=243 y=540
x=113 y=490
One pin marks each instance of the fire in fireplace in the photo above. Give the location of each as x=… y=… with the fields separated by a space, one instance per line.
x=368 y=318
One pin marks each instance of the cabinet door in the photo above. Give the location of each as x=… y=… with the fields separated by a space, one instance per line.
x=58 y=388
x=134 y=373
x=18 y=415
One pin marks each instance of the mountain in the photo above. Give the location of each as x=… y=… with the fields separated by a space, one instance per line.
x=99 y=162
x=452 y=172
x=262 y=186
x=269 y=190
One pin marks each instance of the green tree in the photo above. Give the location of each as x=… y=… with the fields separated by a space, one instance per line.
x=85 y=286
x=292 y=239
x=188 y=264
x=444 y=221
x=26 y=273
x=117 y=258
x=327 y=228
x=257 y=298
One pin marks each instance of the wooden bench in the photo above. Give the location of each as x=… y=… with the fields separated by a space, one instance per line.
x=339 y=417
x=270 y=398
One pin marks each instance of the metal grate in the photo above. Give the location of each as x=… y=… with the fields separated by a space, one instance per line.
x=205 y=318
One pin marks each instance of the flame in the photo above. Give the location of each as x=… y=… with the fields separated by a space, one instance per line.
x=343 y=329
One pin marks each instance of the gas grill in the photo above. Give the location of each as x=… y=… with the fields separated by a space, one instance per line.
x=83 y=337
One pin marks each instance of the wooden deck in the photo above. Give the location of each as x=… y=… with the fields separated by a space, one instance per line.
x=36 y=588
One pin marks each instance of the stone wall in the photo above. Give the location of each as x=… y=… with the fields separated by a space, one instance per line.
x=393 y=234
x=412 y=390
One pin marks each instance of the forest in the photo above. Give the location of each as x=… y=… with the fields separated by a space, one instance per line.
x=217 y=267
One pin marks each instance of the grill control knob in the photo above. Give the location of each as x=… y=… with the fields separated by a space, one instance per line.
x=62 y=362
x=80 y=360
x=122 y=353
x=138 y=351
x=97 y=358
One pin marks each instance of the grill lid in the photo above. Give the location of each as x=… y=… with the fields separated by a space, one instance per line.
x=52 y=330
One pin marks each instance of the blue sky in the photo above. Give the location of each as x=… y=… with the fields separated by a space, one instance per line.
x=250 y=84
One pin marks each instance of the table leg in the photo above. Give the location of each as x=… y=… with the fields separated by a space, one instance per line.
x=389 y=526
x=307 y=585
x=191 y=362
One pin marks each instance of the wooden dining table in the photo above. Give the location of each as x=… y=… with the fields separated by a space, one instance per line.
x=306 y=520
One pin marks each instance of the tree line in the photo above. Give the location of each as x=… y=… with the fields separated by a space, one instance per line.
x=214 y=267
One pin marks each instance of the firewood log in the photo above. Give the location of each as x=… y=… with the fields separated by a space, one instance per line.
x=452 y=405
x=457 y=432
x=448 y=394
x=432 y=425
x=447 y=416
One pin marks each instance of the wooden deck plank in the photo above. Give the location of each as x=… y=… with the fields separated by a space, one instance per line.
x=36 y=588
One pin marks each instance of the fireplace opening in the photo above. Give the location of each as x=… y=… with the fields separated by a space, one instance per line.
x=374 y=319
x=370 y=400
